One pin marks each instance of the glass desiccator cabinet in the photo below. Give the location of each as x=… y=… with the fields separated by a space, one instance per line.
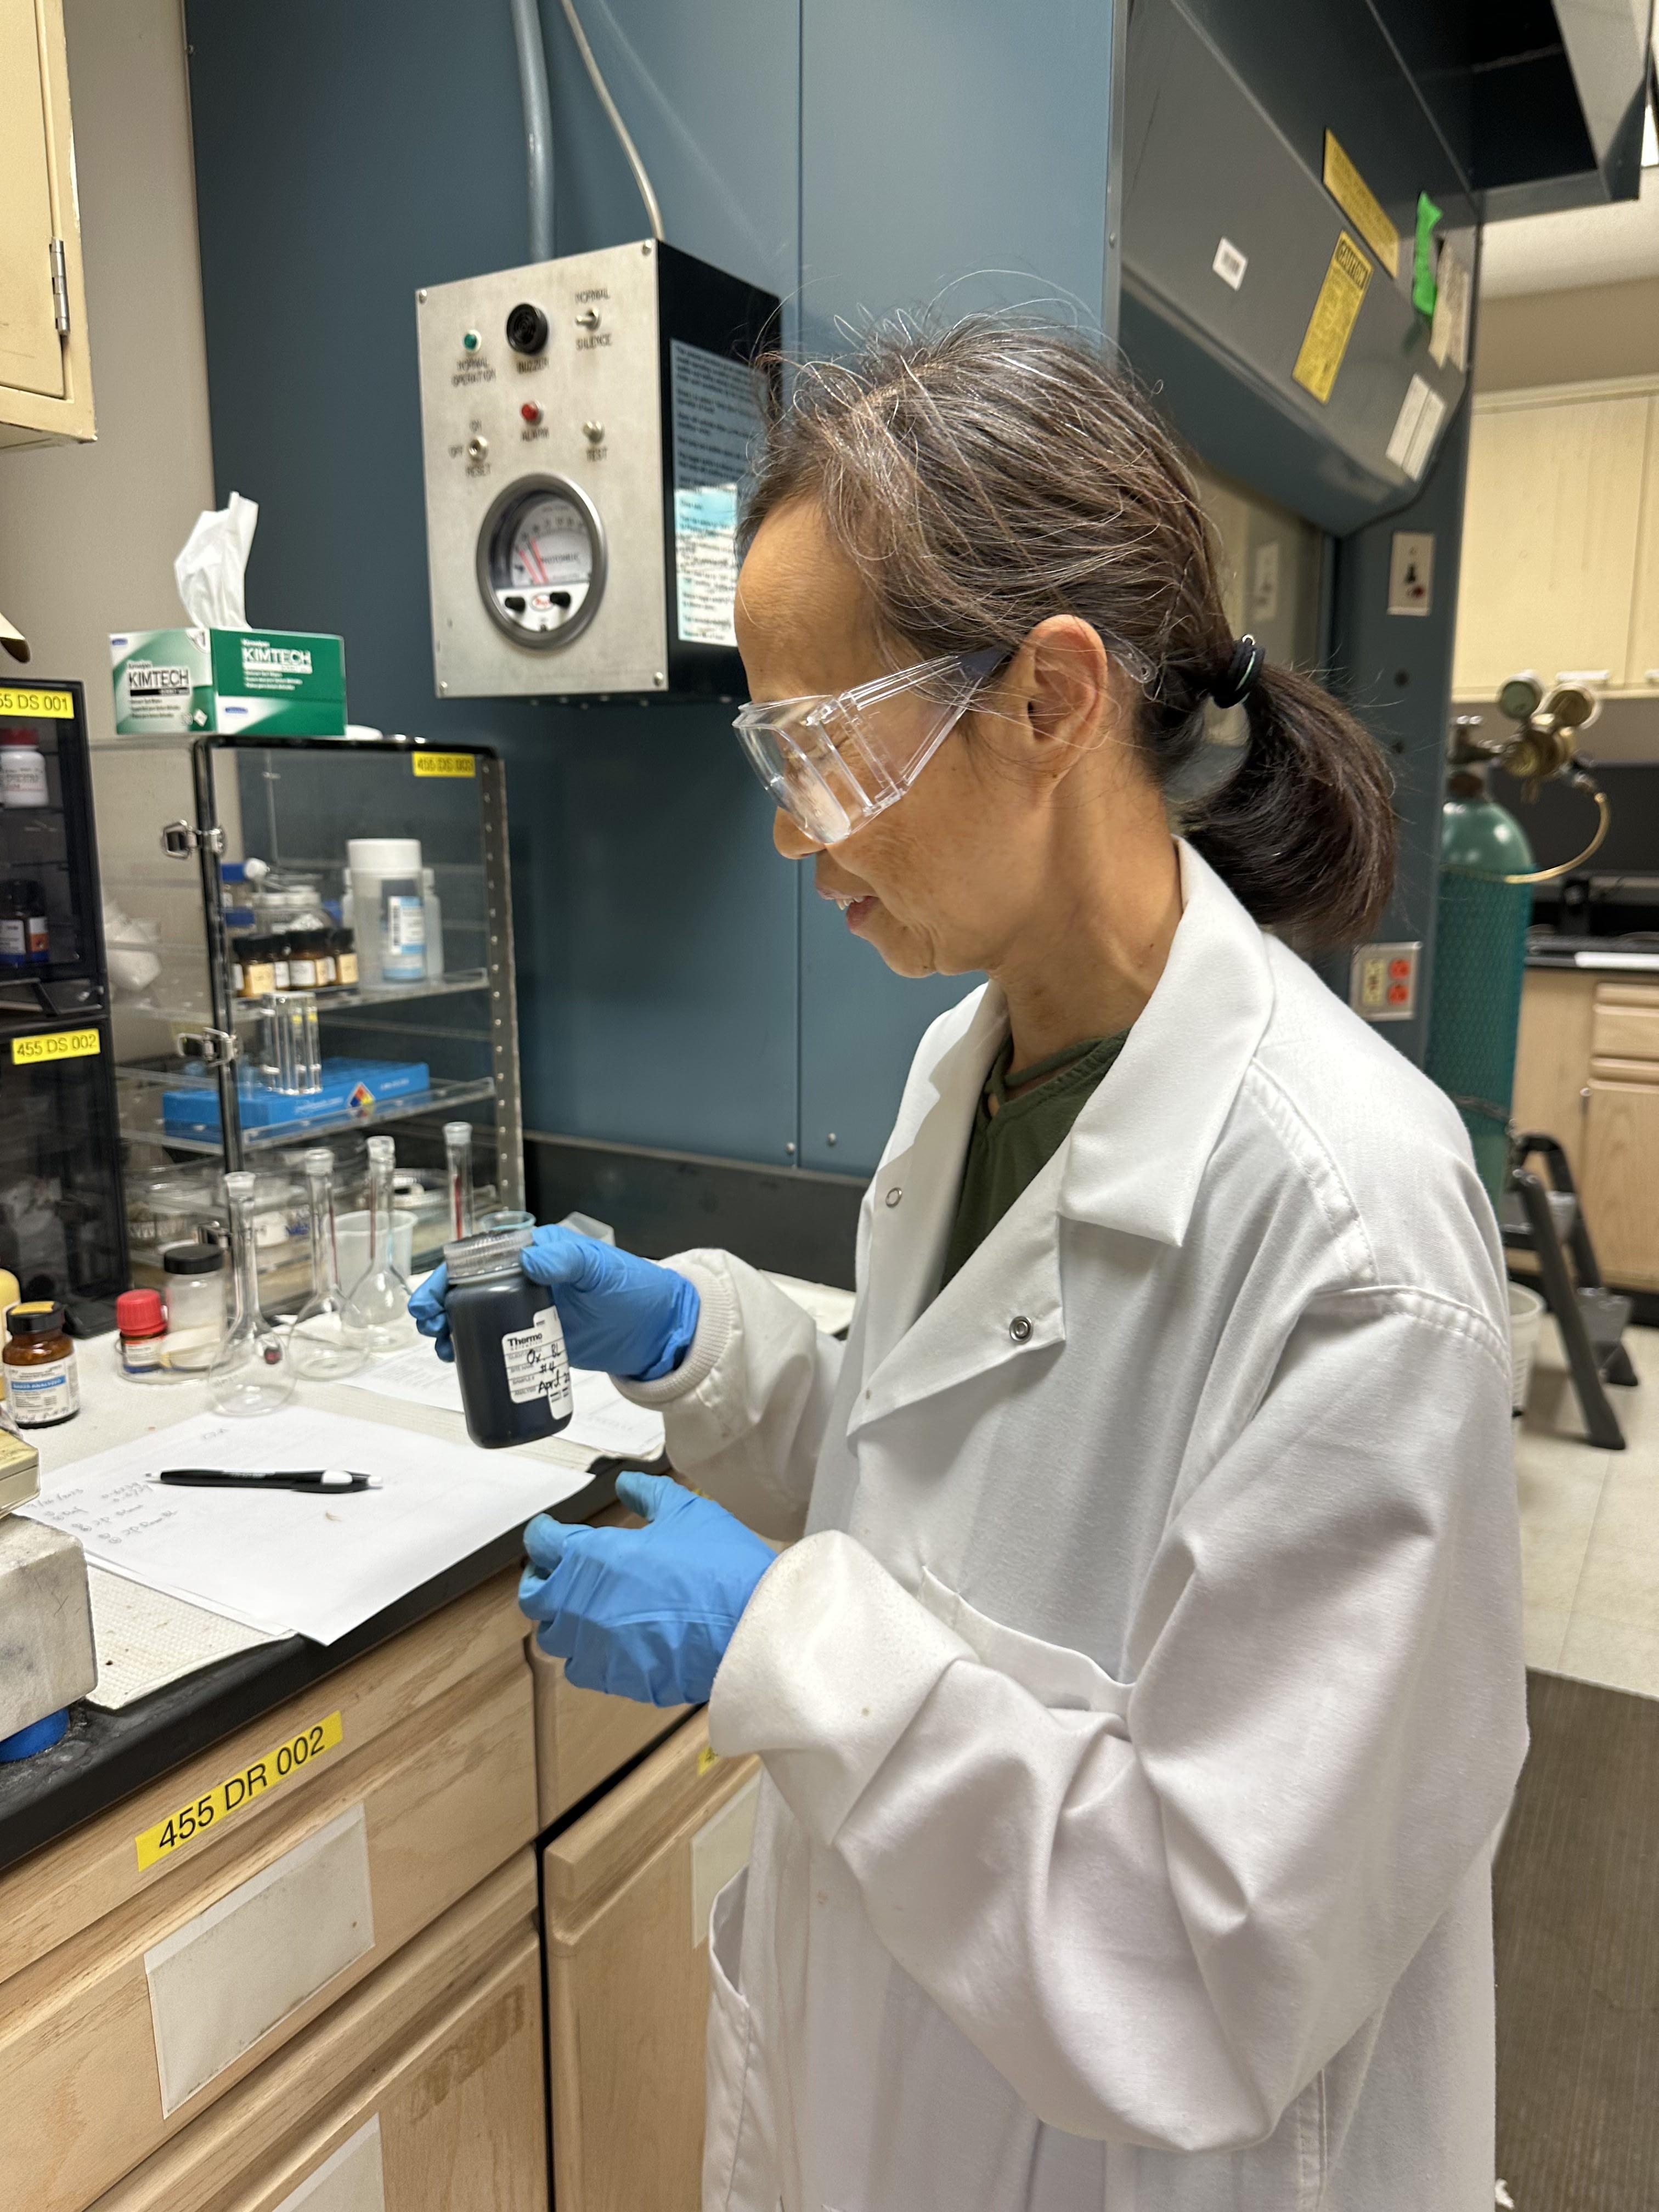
x=310 y=941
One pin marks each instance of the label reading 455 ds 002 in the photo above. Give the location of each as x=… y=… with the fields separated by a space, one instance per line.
x=291 y=1756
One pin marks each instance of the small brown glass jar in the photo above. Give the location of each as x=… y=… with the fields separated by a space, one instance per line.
x=40 y=1362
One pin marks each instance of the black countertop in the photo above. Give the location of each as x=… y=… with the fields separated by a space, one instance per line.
x=106 y=1756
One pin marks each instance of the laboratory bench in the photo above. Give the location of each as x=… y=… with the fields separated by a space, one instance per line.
x=402 y=1922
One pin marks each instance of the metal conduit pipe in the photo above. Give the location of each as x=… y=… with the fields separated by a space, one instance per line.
x=538 y=123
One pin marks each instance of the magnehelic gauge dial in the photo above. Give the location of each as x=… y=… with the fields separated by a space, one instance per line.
x=541 y=562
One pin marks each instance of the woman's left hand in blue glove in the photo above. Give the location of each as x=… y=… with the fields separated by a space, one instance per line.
x=643 y=1612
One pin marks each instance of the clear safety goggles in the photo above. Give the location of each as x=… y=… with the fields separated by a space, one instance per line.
x=833 y=762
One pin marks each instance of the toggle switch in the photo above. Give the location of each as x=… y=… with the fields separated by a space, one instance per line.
x=476 y=447
x=593 y=431
x=588 y=319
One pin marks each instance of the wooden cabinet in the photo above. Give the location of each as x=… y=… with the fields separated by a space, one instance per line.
x=420 y=2092
x=626 y=1893
x=46 y=375
x=156 y=1957
x=1559 y=565
x=1586 y=1072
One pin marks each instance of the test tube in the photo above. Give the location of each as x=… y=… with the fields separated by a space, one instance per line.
x=458 y=1152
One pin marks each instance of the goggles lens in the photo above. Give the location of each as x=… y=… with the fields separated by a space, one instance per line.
x=832 y=762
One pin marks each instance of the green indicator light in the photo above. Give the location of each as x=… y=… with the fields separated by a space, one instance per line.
x=471 y=342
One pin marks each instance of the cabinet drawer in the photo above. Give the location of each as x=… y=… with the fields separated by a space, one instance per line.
x=627 y=1890
x=583 y=1737
x=1621 y=1195
x=423 y=2085
x=128 y=2029
x=1626 y=1032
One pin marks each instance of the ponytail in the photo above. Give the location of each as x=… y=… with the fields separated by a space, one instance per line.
x=1304 y=832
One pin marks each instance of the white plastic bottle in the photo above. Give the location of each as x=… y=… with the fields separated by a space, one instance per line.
x=434 y=925
x=23 y=769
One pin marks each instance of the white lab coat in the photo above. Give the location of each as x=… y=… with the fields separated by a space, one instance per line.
x=1141 y=1703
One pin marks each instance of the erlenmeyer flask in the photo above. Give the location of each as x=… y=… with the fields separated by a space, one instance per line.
x=322 y=1341
x=252 y=1373
x=377 y=1305
x=457 y=1154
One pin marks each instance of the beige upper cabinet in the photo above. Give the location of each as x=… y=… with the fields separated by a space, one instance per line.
x=1552 y=528
x=46 y=375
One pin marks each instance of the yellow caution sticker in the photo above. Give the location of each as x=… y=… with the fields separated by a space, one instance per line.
x=55 y=1044
x=707 y=1758
x=444 y=763
x=1335 y=313
x=1361 y=205
x=294 y=1755
x=49 y=706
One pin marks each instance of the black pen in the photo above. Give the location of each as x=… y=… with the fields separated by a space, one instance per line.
x=236 y=1478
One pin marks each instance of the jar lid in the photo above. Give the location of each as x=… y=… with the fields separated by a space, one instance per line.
x=193 y=1259
x=495 y=1252
x=140 y=1313
x=18 y=738
x=39 y=1317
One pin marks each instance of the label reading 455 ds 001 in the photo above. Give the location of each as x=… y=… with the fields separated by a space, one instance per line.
x=291 y=1757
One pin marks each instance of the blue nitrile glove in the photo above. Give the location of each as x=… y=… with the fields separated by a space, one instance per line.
x=621 y=1313
x=643 y=1612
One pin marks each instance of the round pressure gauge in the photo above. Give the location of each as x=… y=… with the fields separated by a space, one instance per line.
x=541 y=562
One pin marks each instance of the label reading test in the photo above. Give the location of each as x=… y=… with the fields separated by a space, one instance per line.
x=291 y=1756
x=536 y=1364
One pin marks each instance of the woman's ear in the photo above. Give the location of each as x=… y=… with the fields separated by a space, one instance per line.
x=1065 y=676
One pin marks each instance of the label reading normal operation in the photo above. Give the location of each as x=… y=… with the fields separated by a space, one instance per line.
x=291 y=1756
x=536 y=1364
x=714 y=420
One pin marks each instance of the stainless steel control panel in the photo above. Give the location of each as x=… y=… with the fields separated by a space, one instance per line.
x=542 y=425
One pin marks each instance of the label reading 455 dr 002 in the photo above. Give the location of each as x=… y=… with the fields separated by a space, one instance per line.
x=291 y=1756
x=536 y=1364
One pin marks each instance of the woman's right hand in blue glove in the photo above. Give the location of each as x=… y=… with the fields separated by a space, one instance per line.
x=621 y=1313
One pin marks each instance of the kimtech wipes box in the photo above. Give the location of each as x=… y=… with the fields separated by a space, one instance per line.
x=266 y=683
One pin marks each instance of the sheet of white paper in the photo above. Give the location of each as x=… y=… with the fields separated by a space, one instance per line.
x=146 y=1638
x=603 y=1422
x=280 y=1560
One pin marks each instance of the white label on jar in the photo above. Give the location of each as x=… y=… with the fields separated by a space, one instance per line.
x=23 y=777
x=405 y=924
x=302 y=972
x=141 y=1355
x=14 y=938
x=48 y=1392
x=279 y=975
x=536 y=1364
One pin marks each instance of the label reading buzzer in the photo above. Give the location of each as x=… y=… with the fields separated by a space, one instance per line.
x=291 y=1756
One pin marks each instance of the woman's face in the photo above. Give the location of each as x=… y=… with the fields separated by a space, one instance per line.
x=947 y=879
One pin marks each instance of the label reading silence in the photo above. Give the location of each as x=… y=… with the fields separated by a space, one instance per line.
x=281 y=1764
x=1335 y=313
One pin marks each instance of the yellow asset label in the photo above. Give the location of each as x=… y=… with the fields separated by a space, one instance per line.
x=291 y=1756
x=1335 y=313
x=1361 y=205
x=50 y=706
x=444 y=763
x=708 y=1757
x=55 y=1044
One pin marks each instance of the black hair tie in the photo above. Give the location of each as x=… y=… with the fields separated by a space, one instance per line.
x=1242 y=669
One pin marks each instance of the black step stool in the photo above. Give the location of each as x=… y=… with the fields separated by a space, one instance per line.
x=1544 y=1219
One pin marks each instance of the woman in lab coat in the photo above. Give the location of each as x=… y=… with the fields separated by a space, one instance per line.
x=1143 y=1694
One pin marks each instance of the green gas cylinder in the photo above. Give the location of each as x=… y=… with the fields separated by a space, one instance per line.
x=1479 y=955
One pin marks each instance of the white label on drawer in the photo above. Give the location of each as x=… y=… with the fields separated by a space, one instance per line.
x=226 y=1977
x=349 y=2181
x=719 y=1850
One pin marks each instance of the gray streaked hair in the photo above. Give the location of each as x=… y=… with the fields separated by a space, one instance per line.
x=985 y=476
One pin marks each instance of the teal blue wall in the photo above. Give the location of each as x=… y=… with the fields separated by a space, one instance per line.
x=681 y=987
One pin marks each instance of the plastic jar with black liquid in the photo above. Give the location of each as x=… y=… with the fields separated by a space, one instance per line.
x=509 y=1349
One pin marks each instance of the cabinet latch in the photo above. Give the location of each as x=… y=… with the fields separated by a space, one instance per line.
x=180 y=838
x=59 y=287
x=209 y=1048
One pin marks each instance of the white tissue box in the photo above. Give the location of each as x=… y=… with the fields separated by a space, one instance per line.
x=263 y=683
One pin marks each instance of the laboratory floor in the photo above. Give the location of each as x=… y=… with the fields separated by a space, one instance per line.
x=1589 y=1527
x=1576 y=1887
